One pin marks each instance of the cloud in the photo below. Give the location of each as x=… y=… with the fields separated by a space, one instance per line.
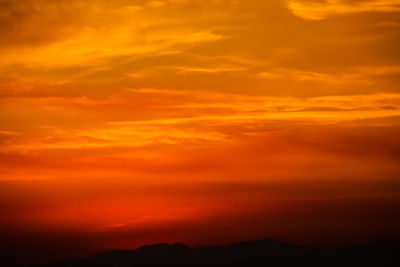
x=351 y=75
x=318 y=10
x=75 y=32
x=156 y=4
x=174 y=117
x=97 y=48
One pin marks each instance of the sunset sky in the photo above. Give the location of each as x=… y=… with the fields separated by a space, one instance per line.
x=131 y=122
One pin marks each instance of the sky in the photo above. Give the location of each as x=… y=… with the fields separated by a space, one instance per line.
x=131 y=122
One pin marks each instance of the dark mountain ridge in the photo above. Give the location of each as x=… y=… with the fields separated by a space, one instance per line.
x=265 y=252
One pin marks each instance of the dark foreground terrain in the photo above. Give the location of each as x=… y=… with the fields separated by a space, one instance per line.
x=266 y=252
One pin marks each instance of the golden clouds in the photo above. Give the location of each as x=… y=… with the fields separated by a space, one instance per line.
x=130 y=75
x=177 y=118
x=99 y=48
x=93 y=30
x=316 y=10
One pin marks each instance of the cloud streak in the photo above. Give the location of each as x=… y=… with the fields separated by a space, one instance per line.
x=318 y=10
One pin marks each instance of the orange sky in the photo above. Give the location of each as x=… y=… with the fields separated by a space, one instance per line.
x=131 y=121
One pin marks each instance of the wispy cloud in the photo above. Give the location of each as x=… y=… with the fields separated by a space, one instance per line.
x=317 y=10
x=200 y=120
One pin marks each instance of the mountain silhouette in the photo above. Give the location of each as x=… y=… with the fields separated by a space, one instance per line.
x=265 y=252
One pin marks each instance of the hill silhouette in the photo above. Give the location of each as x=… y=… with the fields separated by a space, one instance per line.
x=265 y=252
